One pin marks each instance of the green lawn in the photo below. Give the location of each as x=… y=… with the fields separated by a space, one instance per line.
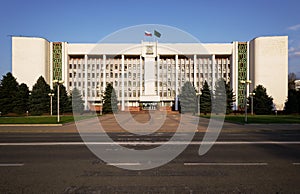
x=261 y=119
x=39 y=119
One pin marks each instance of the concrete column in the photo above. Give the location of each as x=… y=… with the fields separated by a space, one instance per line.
x=176 y=83
x=104 y=72
x=85 y=83
x=195 y=72
x=123 y=93
x=234 y=75
x=226 y=67
x=77 y=72
x=158 y=64
x=65 y=66
x=141 y=75
x=199 y=71
x=51 y=65
x=248 y=68
x=213 y=66
x=203 y=69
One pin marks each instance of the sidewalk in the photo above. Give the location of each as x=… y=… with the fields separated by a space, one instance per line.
x=168 y=123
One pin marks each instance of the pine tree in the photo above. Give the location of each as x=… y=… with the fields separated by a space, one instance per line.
x=8 y=93
x=21 y=104
x=205 y=99
x=262 y=103
x=110 y=104
x=39 y=99
x=292 y=105
x=230 y=98
x=219 y=101
x=188 y=98
x=77 y=102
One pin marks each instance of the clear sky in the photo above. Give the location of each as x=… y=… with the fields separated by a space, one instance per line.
x=88 y=21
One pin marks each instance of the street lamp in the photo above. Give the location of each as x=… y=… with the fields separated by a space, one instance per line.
x=58 y=82
x=252 y=94
x=100 y=93
x=246 y=83
x=101 y=103
x=198 y=103
x=51 y=95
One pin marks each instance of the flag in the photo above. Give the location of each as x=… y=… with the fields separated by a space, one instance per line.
x=157 y=34
x=148 y=33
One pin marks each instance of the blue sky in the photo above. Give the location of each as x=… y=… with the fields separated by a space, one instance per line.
x=90 y=20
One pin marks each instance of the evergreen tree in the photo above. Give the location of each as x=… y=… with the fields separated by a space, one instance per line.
x=64 y=101
x=39 y=99
x=77 y=102
x=291 y=81
x=205 y=99
x=219 y=104
x=292 y=105
x=110 y=104
x=230 y=98
x=188 y=98
x=262 y=103
x=8 y=93
x=21 y=104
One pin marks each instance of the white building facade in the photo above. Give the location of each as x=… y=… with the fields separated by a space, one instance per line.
x=149 y=75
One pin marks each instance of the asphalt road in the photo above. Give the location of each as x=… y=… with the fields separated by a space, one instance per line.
x=240 y=162
x=245 y=159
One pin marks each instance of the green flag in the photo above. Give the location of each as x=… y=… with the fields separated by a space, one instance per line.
x=157 y=34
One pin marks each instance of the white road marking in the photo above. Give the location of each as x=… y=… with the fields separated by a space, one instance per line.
x=227 y=164
x=11 y=165
x=296 y=163
x=153 y=143
x=124 y=164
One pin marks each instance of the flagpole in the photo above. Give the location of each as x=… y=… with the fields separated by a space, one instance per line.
x=156 y=41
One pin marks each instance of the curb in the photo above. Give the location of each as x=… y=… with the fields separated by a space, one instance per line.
x=31 y=125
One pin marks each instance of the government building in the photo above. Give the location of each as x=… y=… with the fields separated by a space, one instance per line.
x=150 y=74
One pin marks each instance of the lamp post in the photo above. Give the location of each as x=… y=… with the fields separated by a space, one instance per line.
x=58 y=82
x=51 y=95
x=100 y=93
x=246 y=83
x=101 y=103
x=251 y=95
x=198 y=103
